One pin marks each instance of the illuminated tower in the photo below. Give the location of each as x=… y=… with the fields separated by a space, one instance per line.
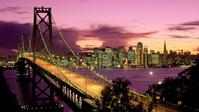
x=139 y=52
x=164 y=55
x=42 y=31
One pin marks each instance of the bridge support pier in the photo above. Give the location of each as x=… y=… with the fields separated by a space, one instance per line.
x=41 y=92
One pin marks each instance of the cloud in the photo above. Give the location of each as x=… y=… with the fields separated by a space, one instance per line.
x=186 y=26
x=13 y=9
x=115 y=36
x=179 y=37
x=22 y=12
x=10 y=8
x=70 y=35
x=190 y=23
x=106 y=31
x=10 y=33
x=181 y=28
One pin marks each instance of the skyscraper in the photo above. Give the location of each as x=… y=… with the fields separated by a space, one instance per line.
x=139 y=54
x=131 y=56
x=122 y=55
x=145 y=57
x=164 y=55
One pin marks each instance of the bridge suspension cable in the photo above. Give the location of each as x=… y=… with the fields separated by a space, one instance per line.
x=49 y=56
x=59 y=66
x=77 y=56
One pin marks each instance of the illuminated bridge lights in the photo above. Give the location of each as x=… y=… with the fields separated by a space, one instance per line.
x=78 y=82
x=43 y=108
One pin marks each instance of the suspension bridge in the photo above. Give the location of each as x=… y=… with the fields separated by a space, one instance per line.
x=78 y=90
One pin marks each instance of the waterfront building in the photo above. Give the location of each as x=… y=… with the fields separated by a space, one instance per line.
x=99 y=57
x=121 y=55
x=107 y=61
x=145 y=57
x=117 y=57
x=115 y=60
x=154 y=59
x=139 y=54
x=108 y=57
x=152 y=51
x=87 y=59
x=164 y=61
x=131 y=57
x=188 y=58
x=172 y=58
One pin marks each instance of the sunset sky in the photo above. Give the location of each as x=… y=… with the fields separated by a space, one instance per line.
x=101 y=23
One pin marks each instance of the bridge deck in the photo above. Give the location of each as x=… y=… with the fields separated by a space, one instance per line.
x=89 y=86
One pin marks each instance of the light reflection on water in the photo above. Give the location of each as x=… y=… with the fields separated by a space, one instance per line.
x=140 y=78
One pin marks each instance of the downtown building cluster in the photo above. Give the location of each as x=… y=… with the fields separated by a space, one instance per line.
x=137 y=57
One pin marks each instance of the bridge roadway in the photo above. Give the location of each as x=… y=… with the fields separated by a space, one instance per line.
x=89 y=86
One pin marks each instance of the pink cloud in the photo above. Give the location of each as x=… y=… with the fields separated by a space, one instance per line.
x=14 y=9
x=191 y=23
x=181 y=28
x=179 y=36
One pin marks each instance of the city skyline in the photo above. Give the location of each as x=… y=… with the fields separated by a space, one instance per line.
x=86 y=54
x=108 y=23
x=136 y=57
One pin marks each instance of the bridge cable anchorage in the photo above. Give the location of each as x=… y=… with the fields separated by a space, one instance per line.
x=57 y=65
x=77 y=56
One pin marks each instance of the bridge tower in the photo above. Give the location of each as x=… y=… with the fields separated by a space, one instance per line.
x=25 y=44
x=42 y=33
x=42 y=29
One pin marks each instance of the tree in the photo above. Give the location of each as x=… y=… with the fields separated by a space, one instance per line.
x=20 y=67
x=21 y=70
x=116 y=97
x=1 y=70
x=184 y=88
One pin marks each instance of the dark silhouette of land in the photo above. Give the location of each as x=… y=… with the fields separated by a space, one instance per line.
x=8 y=101
x=182 y=90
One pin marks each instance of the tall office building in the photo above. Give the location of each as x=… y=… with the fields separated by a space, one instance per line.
x=145 y=57
x=122 y=55
x=108 y=57
x=131 y=56
x=154 y=59
x=139 y=54
x=164 y=55
x=99 y=57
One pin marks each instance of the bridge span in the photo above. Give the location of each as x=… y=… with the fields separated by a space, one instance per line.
x=88 y=86
x=82 y=91
x=76 y=89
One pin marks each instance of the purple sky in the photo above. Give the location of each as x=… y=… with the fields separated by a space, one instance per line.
x=100 y=23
